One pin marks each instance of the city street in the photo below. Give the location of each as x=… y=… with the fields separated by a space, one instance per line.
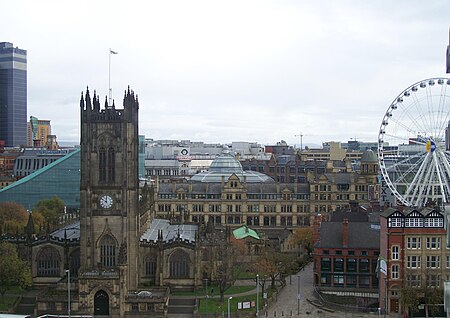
x=286 y=304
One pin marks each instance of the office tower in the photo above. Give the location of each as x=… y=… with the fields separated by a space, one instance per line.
x=13 y=95
x=38 y=131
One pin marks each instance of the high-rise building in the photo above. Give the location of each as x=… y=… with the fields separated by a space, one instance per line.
x=13 y=95
x=38 y=131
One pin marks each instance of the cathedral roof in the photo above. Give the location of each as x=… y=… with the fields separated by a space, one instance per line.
x=169 y=232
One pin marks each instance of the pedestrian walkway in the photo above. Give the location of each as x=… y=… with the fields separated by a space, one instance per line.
x=297 y=299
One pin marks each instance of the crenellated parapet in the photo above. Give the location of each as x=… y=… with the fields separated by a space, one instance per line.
x=91 y=110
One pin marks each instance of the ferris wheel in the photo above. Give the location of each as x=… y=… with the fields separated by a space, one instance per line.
x=414 y=144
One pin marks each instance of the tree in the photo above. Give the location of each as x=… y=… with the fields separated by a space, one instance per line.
x=13 y=217
x=409 y=296
x=228 y=255
x=13 y=271
x=432 y=296
x=51 y=209
x=303 y=236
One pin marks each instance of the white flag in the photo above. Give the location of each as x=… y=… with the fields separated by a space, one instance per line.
x=383 y=265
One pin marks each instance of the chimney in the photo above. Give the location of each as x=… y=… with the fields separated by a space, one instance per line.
x=345 y=233
x=316 y=228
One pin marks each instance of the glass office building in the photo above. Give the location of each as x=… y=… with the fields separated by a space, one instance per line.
x=13 y=95
x=60 y=178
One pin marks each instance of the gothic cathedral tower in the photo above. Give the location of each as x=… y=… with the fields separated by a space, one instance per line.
x=109 y=197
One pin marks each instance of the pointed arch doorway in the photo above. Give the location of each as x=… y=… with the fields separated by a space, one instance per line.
x=101 y=303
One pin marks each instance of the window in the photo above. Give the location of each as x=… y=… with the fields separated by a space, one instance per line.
x=395 y=222
x=433 y=243
x=325 y=279
x=111 y=165
x=102 y=165
x=351 y=265
x=364 y=281
x=413 y=243
x=395 y=252
x=179 y=264
x=364 y=265
x=413 y=222
x=433 y=261
x=413 y=280
x=48 y=262
x=338 y=280
x=447 y=261
x=108 y=251
x=433 y=280
x=338 y=265
x=394 y=272
x=350 y=280
x=325 y=264
x=150 y=266
x=413 y=261
x=434 y=222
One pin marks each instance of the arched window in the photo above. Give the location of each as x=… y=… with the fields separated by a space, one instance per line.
x=111 y=165
x=179 y=264
x=150 y=265
x=108 y=251
x=74 y=263
x=48 y=262
x=102 y=165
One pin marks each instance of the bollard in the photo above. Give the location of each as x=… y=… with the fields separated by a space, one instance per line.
x=282 y=313
x=274 y=313
x=291 y=313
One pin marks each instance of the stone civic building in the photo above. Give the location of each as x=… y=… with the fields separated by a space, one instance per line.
x=227 y=194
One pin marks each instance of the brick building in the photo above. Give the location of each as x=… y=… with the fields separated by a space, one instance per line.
x=413 y=245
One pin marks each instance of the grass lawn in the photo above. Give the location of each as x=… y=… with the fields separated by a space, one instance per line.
x=215 y=305
x=202 y=292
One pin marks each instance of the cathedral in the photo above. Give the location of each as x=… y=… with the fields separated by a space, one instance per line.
x=121 y=260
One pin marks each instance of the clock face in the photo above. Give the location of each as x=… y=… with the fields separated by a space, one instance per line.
x=106 y=201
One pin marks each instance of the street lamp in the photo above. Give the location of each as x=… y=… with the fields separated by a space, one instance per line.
x=68 y=292
x=229 y=298
x=298 y=295
x=206 y=289
x=257 y=295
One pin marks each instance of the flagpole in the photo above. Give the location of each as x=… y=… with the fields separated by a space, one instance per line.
x=109 y=79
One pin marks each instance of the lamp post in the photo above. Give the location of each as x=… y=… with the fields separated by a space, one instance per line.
x=206 y=289
x=229 y=298
x=298 y=295
x=68 y=292
x=257 y=295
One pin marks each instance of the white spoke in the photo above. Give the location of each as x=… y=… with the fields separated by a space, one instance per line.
x=411 y=144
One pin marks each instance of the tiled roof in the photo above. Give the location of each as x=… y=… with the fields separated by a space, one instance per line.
x=360 y=235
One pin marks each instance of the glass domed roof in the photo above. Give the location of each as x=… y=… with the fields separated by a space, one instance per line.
x=224 y=166
x=226 y=163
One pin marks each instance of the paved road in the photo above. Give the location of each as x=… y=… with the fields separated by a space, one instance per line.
x=286 y=304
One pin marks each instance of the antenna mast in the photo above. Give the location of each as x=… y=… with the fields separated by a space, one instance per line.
x=301 y=140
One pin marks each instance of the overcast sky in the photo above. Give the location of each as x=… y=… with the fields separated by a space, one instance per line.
x=222 y=71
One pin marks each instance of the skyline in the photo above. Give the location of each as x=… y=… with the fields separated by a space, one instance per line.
x=258 y=71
